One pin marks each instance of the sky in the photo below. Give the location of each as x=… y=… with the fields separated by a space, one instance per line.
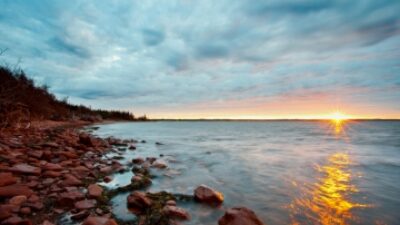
x=243 y=59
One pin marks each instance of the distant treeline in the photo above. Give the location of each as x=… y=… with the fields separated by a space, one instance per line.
x=21 y=101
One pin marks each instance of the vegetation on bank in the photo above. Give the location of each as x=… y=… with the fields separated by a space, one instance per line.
x=21 y=101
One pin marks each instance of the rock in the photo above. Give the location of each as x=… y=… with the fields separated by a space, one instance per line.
x=46 y=222
x=26 y=169
x=208 y=195
x=7 y=179
x=25 y=210
x=5 y=212
x=239 y=216
x=50 y=173
x=52 y=166
x=96 y=220
x=71 y=180
x=36 y=154
x=14 y=190
x=138 y=199
x=18 y=200
x=175 y=212
x=159 y=143
x=107 y=179
x=15 y=220
x=106 y=169
x=159 y=165
x=69 y=198
x=95 y=190
x=171 y=202
x=138 y=160
x=85 y=139
x=132 y=147
x=80 y=215
x=85 y=204
x=151 y=159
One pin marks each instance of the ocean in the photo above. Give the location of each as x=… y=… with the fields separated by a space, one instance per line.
x=287 y=172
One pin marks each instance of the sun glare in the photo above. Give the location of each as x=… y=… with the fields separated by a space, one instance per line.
x=338 y=117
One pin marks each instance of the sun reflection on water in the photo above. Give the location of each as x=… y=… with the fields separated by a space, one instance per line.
x=328 y=200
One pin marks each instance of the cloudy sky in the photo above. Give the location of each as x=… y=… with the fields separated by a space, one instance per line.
x=212 y=59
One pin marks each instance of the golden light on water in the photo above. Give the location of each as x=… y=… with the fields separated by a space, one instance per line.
x=338 y=120
x=328 y=200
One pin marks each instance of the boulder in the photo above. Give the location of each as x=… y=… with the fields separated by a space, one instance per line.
x=208 y=195
x=14 y=190
x=52 y=166
x=96 y=220
x=85 y=139
x=175 y=212
x=25 y=169
x=95 y=190
x=7 y=179
x=239 y=216
x=138 y=199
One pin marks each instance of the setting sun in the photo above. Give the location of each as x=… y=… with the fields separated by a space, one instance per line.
x=338 y=117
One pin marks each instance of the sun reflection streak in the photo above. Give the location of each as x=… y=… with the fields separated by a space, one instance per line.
x=328 y=200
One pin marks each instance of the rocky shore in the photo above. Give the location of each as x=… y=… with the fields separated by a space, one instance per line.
x=50 y=171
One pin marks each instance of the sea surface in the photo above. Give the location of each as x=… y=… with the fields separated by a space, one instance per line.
x=287 y=172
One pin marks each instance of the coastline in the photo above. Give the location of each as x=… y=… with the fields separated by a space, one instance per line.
x=49 y=175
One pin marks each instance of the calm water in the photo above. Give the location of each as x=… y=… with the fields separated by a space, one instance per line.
x=287 y=172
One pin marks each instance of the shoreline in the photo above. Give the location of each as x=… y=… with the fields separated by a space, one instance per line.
x=49 y=175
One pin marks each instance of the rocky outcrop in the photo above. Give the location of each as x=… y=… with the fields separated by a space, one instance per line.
x=239 y=216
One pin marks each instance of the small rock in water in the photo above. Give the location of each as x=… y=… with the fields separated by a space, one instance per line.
x=97 y=220
x=208 y=195
x=239 y=216
x=95 y=190
x=138 y=199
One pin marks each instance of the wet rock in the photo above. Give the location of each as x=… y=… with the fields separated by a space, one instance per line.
x=107 y=179
x=132 y=147
x=14 y=190
x=7 y=179
x=138 y=160
x=36 y=154
x=106 y=169
x=96 y=220
x=138 y=199
x=95 y=190
x=5 y=212
x=25 y=169
x=208 y=195
x=69 y=198
x=175 y=212
x=239 y=216
x=171 y=202
x=159 y=143
x=18 y=200
x=151 y=159
x=159 y=165
x=52 y=174
x=85 y=204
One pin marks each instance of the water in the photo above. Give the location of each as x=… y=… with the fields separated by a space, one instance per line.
x=288 y=172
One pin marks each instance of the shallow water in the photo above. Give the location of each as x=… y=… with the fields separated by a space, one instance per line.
x=288 y=172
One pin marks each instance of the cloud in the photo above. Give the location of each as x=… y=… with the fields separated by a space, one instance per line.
x=155 y=54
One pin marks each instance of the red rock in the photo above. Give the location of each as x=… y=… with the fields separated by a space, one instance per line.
x=71 y=180
x=80 y=215
x=106 y=169
x=159 y=165
x=85 y=204
x=175 y=212
x=138 y=199
x=107 y=179
x=171 y=202
x=95 y=190
x=52 y=166
x=85 y=139
x=46 y=222
x=5 y=212
x=15 y=220
x=25 y=168
x=69 y=198
x=81 y=169
x=33 y=198
x=25 y=210
x=14 y=190
x=7 y=179
x=36 y=205
x=96 y=220
x=36 y=154
x=51 y=174
x=69 y=155
x=239 y=216
x=18 y=200
x=138 y=160
x=208 y=195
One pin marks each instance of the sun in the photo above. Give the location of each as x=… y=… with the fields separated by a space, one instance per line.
x=338 y=117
